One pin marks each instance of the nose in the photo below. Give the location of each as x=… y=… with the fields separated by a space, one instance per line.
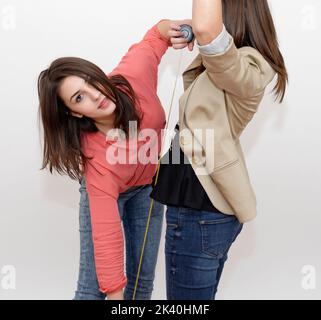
x=95 y=94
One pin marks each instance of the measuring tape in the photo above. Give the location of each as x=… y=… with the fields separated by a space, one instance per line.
x=188 y=34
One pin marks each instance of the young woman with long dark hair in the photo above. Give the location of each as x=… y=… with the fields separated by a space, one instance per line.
x=80 y=108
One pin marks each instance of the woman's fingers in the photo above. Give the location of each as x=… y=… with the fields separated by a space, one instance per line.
x=178 y=40
x=179 y=46
x=174 y=34
x=191 y=45
x=175 y=26
x=176 y=37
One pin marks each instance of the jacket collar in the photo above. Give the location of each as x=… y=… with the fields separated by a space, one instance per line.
x=189 y=75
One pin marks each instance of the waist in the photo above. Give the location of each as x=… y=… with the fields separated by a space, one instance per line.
x=135 y=188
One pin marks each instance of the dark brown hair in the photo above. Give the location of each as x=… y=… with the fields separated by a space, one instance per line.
x=250 y=23
x=62 y=150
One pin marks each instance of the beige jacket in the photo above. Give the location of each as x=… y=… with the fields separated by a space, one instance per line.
x=224 y=97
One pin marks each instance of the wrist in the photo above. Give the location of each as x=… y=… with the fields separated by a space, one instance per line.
x=163 y=27
x=116 y=295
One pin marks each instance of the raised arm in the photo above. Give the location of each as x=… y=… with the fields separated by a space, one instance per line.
x=140 y=63
x=242 y=73
x=207 y=20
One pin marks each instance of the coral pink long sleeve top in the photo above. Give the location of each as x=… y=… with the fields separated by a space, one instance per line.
x=105 y=180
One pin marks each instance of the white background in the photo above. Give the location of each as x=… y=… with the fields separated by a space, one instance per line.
x=39 y=212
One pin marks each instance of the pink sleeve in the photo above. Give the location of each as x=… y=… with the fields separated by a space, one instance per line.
x=106 y=231
x=141 y=61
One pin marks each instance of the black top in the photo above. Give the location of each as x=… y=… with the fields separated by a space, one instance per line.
x=177 y=184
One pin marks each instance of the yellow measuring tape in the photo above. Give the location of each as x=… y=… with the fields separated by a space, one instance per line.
x=156 y=178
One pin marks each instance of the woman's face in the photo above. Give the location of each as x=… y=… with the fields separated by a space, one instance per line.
x=84 y=100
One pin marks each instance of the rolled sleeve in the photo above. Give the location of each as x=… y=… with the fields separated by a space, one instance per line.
x=218 y=45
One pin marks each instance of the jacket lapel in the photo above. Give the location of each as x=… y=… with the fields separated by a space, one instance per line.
x=189 y=75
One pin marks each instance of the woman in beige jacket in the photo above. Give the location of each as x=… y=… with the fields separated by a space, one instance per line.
x=208 y=194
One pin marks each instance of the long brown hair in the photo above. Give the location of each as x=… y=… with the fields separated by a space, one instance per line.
x=250 y=23
x=62 y=149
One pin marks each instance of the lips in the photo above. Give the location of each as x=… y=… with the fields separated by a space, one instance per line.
x=103 y=104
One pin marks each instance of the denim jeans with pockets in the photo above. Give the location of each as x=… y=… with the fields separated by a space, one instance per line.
x=133 y=208
x=196 y=247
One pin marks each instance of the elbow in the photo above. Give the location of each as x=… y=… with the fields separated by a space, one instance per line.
x=205 y=35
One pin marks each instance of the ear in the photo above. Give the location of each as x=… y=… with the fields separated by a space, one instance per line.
x=78 y=115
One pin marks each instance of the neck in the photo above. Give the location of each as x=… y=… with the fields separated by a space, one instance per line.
x=104 y=125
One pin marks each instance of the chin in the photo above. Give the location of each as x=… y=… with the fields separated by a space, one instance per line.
x=111 y=109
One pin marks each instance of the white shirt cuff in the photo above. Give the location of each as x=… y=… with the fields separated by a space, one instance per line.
x=218 y=45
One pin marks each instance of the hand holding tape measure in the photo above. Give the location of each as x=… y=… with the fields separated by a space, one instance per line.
x=181 y=35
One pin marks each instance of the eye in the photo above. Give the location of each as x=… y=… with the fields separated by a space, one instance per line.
x=78 y=98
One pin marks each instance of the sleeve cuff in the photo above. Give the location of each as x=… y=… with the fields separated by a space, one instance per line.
x=122 y=285
x=218 y=45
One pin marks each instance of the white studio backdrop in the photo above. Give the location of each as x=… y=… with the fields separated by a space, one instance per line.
x=277 y=256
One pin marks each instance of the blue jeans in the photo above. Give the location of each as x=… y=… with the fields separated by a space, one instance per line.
x=133 y=208
x=196 y=247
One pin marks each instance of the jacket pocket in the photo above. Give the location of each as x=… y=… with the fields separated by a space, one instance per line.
x=227 y=165
x=234 y=184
